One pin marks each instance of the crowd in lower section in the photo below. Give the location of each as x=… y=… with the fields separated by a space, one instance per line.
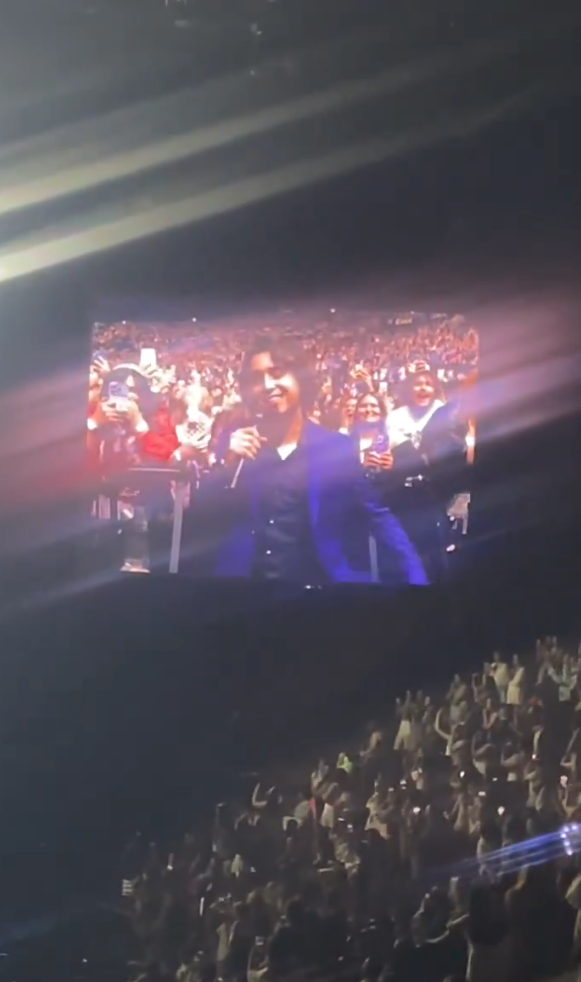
x=444 y=847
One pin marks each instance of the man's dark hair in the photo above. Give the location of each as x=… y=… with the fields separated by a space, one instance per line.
x=289 y=354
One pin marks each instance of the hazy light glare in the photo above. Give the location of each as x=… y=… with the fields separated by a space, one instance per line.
x=108 y=230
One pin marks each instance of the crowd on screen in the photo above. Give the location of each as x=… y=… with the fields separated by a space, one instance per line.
x=383 y=380
x=197 y=367
x=443 y=847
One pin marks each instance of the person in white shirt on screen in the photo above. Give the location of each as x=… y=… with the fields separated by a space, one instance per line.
x=195 y=429
x=407 y=423
x=426 y=454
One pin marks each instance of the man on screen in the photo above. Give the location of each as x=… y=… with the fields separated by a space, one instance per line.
x=298 y=504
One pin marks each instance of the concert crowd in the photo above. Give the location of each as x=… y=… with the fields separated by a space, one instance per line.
x=443 y=846
x=198 y=364
x=398 y=386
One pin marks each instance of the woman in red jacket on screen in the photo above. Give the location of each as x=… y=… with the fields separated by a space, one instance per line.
x=128 y=425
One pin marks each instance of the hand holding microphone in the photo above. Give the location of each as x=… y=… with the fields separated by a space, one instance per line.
x=244 y=444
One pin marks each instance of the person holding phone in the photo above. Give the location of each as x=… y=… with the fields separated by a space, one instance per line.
x=370 y=433
x=130 y=418
x=118 y=405
x=129 y=425
x=148 y=360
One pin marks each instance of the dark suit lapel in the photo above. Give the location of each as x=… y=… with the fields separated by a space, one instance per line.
x=253 y=479
x=315 y=474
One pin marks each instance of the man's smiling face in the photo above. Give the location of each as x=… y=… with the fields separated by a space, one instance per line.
x=272 y=388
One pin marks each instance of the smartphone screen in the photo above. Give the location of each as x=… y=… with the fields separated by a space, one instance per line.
x=118 y=390
x=381 y=443
x=148 y=358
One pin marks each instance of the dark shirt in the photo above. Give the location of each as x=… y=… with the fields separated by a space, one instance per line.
x=442 y=846
x=291 y=949
x=333 y=510
x=334 y=930
x=406 y=961
x=442 y=958
x=284 y=547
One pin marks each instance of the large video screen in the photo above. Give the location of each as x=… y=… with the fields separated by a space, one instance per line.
x=313 y=446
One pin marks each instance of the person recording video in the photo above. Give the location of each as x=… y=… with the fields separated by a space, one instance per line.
x=300 y=508
x=126 y=421
x=369 y=430
x=128 y=425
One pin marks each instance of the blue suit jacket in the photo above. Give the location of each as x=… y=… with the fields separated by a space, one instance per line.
x=345 y=511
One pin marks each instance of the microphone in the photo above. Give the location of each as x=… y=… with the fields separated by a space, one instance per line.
x=234 y=481
x=240 y=465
